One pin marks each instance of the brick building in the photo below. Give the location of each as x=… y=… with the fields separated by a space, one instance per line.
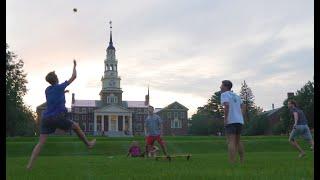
x=112 y=116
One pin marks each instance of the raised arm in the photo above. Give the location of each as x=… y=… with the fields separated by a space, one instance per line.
x=74 y=73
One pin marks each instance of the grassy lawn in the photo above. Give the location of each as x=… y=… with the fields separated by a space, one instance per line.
x=67 y=158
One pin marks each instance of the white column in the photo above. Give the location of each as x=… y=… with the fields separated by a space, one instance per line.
x=130 y=124
x=123 y=123
x=102 y=123
x=109 y=122
x=95 y=125
x=117 y=123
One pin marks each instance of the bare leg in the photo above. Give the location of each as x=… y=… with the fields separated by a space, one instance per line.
x=232 y=149
x=36 y=150
x=149 y=148
x=311 y=142
x=164 y=149
x=76 y=128
x=240 y=148
x=295 y=144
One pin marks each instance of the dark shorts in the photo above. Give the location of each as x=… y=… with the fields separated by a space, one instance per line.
x=234 y=128
x=150 y=140
x=50 y=124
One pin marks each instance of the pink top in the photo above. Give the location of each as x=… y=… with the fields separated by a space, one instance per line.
x=134 y=150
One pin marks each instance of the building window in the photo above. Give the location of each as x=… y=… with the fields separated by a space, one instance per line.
x=98 y=126
x=175 y=115
x=84 y=117
x=84 y=128
x=138 y=127
x=182 y=115
x=76 y=117
x=169 y=114
x=83 y=110
x=90 y=126
x=76 y=110
x=176 y=123
x=112 y=99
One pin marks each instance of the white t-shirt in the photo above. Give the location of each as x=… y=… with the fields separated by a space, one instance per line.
x=235 y=113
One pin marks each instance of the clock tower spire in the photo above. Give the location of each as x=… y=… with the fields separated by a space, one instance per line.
x=111 y=92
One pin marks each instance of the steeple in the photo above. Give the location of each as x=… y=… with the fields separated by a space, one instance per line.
x=110 y=42
x=147 y=98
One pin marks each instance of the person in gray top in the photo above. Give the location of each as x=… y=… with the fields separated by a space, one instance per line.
x=300 y=127
x=153 y=128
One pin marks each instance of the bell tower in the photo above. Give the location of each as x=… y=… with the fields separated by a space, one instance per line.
x=111 y=92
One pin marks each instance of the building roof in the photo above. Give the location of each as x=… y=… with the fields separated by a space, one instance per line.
x=177 y=103
x=43 y=105
x=97 y=103
x=270 y=112
x=138 y=104
x=157 y=110
x=85 y=103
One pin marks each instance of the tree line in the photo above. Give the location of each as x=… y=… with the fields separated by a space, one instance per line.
x=20 y=119
x=208 y=120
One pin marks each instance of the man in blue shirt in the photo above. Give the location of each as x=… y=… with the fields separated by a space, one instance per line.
x=55 y=114
x=300 y=127
x=154 y=129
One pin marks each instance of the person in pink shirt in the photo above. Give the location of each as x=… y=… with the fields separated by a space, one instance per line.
x=134 y=150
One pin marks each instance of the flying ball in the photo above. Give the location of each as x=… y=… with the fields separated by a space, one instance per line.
x=75 y=10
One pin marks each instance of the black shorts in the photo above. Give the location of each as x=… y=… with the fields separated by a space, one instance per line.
x=234 y=128
x=50 y=124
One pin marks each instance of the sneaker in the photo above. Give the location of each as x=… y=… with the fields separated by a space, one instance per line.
x=168 y=157
x=91 y=144
x=302 y=155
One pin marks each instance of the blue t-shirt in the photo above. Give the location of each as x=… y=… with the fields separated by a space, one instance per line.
x=55 y=100
x=153 y=123
x=302 y=120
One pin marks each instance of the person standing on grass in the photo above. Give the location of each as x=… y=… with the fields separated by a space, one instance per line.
x=153 y=128
x=300 y=127
x=233 y=120
x=55 y=114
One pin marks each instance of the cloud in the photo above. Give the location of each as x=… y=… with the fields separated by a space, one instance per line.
x=177 y=47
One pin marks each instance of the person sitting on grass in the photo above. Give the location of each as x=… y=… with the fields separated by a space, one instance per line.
x=153 y=152
x=134 y=150
x=55 y=114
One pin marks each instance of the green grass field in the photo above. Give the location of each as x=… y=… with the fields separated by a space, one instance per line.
x=67 y=158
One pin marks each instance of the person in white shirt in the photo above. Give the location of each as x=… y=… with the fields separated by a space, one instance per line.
x=233 y=120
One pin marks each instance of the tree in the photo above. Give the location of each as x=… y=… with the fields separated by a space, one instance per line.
x=258 y=126
x=209 y=118
x=20 y=120
x=247 y=97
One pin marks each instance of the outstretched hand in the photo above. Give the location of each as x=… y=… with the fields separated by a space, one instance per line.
x=66 y=91
x=74 y=63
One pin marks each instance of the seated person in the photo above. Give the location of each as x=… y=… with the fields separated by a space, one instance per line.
x=134 y=150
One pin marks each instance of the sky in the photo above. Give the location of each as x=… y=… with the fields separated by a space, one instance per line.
x=182 y=49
